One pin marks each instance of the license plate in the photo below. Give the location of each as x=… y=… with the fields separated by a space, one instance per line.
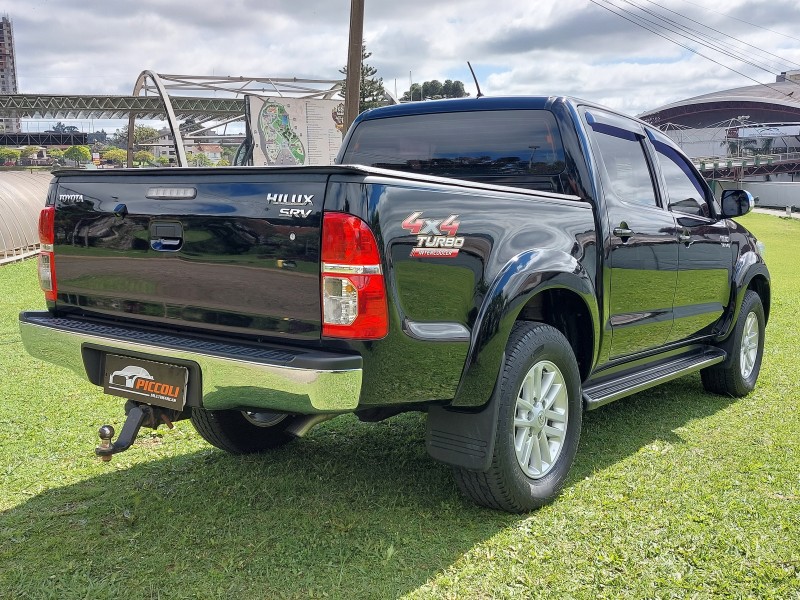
x=155 y=383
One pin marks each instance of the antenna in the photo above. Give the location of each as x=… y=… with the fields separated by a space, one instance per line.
x=477 y=85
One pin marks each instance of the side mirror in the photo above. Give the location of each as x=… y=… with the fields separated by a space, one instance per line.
x=736 y=203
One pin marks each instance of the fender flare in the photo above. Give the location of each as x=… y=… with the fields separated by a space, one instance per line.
x=748 y=267
x=526 y=275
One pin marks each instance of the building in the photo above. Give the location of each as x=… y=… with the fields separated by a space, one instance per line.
x=749 y=136
x=8 y=71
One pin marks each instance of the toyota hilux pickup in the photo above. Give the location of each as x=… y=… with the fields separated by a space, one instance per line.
x=501 y=264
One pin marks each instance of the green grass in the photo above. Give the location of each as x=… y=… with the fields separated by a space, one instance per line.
x=675 y=494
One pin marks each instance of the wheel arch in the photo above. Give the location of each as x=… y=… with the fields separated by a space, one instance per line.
x=538 y=285
x=750 y=273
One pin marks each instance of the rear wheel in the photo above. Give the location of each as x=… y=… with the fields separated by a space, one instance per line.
x=242 y=432
x=538 y=426
x=737 y=376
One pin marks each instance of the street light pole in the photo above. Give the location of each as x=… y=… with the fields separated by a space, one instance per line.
x=353 y=80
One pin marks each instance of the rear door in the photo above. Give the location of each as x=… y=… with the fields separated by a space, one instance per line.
x=642 y=247
x=228 y=251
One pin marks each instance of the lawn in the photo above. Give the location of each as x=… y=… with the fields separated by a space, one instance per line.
x=675 y=493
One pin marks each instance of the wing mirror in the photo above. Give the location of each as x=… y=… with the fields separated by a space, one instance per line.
x=736 y=203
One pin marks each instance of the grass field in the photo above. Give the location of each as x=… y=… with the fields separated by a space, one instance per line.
x=675 y=494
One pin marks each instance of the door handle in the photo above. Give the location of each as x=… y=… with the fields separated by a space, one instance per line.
x=166 y=236
x=684 y=238
x=622 y=232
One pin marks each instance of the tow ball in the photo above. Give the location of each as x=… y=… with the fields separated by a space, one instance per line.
x=138 y=415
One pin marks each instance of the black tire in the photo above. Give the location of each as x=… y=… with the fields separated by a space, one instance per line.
x=506 y=485
x=239 y=432
x=737 y=376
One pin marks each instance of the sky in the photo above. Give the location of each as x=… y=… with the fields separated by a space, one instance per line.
x=517 y=47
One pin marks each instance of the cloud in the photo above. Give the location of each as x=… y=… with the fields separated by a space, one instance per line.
x=548 y=47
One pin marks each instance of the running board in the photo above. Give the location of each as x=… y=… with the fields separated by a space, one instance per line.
x=599 y=394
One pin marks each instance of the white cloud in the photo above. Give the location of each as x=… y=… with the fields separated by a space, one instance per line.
x=553 y=47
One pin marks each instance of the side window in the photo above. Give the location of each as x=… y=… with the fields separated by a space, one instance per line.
x=686 y=194
x=627 y=168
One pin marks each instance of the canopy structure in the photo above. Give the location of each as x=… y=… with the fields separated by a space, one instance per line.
x=22 y=196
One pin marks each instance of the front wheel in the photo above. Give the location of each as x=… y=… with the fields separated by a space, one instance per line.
x=737 y=376
x=242 y=432
x=538 y=427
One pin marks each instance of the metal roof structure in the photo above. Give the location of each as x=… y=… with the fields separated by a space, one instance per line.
x=39 y=106
x=767 y=103
x=209 y=100
x=22 y=196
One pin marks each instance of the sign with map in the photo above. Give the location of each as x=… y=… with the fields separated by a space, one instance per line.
x=295 y=131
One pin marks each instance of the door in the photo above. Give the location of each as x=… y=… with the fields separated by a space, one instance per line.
x=642 y=247
x=705 y=257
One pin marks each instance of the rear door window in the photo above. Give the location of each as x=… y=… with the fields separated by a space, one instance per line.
x=466 y=145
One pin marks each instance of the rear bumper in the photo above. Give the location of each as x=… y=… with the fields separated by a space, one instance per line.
x=223 y=374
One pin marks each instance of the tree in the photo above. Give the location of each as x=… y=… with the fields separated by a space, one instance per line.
x=98 y=137
x=144 y=156
x=141 y=135
x=9 y=155
x=29 y=151
x=61 y=128
x=435 y=89
x=223 y=162
x=198 y=160
x=228 y=153
x=116 y=155
x=80 y=154
x=371 y=93
x=57 y=155
x=163 y=161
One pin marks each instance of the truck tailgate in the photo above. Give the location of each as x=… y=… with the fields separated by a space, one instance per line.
x=200 y=248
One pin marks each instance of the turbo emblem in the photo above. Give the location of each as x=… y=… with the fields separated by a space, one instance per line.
x=436 y=238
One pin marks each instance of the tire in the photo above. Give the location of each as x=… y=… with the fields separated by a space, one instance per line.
x=737 y=376
x=535 y=353
x=240 y=432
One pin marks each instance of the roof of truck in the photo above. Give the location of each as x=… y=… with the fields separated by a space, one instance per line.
x=462 y=104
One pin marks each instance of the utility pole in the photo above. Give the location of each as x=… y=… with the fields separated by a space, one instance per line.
x=353 y=81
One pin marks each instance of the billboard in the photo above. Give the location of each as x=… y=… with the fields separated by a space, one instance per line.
x=294 y=131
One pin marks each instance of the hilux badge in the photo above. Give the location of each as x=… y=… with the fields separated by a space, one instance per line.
x=295 y=201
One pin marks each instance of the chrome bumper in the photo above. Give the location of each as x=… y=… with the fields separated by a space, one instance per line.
x=233 y=376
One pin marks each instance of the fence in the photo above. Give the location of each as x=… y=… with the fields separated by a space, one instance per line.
x=22 y=196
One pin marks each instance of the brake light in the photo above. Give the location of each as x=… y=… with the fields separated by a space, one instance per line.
x=47 y=265
x=353 y=291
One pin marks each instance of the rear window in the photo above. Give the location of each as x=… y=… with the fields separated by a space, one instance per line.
x=467 y=145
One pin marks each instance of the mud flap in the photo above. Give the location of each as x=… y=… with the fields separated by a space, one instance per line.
x=463 y=439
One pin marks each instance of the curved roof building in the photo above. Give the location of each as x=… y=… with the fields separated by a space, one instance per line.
x=22 y=197
x=777 y=102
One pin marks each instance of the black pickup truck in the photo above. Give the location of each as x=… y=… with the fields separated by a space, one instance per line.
x=502 y=264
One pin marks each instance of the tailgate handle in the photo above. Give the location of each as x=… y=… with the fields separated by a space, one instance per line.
x=166 y=236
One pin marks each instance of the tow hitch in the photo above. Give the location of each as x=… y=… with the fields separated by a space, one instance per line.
x=138 y=415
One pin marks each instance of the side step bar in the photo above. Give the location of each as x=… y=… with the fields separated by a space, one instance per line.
x=598 y=394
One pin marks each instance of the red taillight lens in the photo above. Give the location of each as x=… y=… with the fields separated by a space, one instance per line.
x=47 y=265
x=47 y=229
x=353 y=291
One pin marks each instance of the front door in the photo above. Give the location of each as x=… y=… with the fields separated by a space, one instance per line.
x=705 y=257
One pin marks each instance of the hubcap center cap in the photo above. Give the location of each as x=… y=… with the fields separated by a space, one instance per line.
x=537 y=421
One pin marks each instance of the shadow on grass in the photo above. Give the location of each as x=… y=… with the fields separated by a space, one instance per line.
x=354 y=510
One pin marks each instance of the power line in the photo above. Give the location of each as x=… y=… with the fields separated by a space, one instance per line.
x=791 y=37
x=727 y=36
x=689 y=48
x=696 y=36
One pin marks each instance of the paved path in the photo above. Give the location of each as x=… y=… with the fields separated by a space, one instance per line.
x=778 y=212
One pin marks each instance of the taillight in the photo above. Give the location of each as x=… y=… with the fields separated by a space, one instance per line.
x=47 y=265
x=353 y=290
